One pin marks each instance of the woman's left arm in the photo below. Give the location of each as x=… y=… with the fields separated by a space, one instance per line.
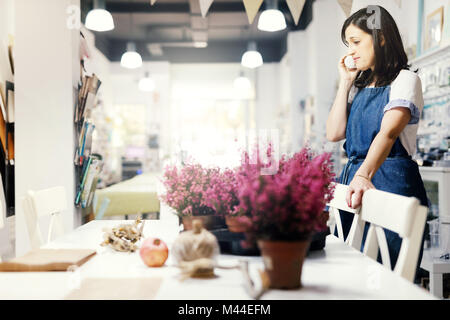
x=393 y=123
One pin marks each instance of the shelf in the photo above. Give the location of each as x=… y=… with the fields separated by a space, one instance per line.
x=431 y=57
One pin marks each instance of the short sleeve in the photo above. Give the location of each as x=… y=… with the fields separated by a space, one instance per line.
x=406 y=92
x=352 y=94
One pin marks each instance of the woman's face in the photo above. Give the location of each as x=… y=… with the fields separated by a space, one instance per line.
x=360 y=45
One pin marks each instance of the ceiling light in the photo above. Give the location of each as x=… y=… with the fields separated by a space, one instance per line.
x=271 y=19
x=200 y=44
x=252 y=58
x=147 y=84
x=98 y=19
x=131 y=59
x=242 y=82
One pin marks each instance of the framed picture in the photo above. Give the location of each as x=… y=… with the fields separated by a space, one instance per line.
x=433 y=29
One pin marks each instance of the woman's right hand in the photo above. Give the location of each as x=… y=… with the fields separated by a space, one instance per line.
x=347 y=76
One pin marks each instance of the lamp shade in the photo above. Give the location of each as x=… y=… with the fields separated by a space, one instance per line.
x=99 y=20
x=242 y=83
x=251 y=58
x=271 y=20
x=131 y=59
x=147 y=84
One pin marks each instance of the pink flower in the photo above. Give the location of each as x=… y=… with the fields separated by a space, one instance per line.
x=287 y=205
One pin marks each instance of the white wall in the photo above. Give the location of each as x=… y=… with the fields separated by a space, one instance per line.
x=268 y=97
x=313 y=56
x=44 y=83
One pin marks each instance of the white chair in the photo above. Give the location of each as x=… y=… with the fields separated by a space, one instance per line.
x=44 y=203
x=403 y=215
x=339 y=203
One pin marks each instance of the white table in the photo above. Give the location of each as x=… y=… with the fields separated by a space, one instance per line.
x=437 y=268
x=337 y=272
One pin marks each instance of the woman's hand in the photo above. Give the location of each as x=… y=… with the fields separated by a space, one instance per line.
x=357 y=187
x=347 y=76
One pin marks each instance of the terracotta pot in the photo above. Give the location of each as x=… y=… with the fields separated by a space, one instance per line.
x=209 y=222
x=234 y=225
x=283 y=262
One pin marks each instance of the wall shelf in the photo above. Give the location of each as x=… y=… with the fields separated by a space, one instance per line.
x=431 y=57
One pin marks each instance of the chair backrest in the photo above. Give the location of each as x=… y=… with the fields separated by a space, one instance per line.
x=403 y=215
x=44 y=203
x=338 y=203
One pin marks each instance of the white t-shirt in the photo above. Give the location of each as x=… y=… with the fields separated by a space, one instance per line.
x=406 y=92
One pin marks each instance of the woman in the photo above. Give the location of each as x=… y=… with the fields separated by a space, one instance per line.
x=377 y=110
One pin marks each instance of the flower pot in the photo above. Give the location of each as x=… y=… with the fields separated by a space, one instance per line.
x=283 y=262
x=209 y=222
x=234 y=225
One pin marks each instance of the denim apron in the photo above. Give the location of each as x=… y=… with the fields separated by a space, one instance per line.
x=398 y=174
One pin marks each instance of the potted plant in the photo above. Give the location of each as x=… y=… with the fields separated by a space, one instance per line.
x=282 y=210
x=186 y=189
x=221 y=195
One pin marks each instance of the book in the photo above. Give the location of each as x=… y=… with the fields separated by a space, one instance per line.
x=80 y=144
x=93 y=173
x=11 y=52
x=9 y=102
x=7 y=140
x=83 y=181
x=86 y=95
x=87 y=145
x=48 y=260
x=2 y=102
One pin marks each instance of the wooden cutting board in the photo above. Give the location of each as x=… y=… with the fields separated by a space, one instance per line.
x=48 y=260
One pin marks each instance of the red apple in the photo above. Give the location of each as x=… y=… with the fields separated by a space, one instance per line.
x=154 y=252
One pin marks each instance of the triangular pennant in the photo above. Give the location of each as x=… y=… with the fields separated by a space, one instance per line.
x=296 y=8
x=399 y=3
x=346 y=5
x=152 y=2
x=251 y=8
x=204 y=6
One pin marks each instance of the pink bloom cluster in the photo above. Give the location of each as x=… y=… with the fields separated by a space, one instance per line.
x=185 y=188
x=194 y=190
x=287 y=205
x=221 y=193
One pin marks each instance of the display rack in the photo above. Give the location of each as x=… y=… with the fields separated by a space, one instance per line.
x=7 y=166
x=88 y=165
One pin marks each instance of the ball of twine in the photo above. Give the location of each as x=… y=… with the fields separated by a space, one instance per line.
x=195 y=251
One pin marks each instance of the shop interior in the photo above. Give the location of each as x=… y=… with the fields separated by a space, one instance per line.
x=99 y=106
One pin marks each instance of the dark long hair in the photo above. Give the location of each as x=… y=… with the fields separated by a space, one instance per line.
x=390 y=58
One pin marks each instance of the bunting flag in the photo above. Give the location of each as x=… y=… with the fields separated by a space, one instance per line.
x=251 y=8
x=152 y=2
x=399 y=3
x=204 y=6
x=296 y=8
x=346 y=5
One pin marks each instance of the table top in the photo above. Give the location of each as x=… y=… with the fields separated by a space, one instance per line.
x=337 y=272
x=435 y=265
